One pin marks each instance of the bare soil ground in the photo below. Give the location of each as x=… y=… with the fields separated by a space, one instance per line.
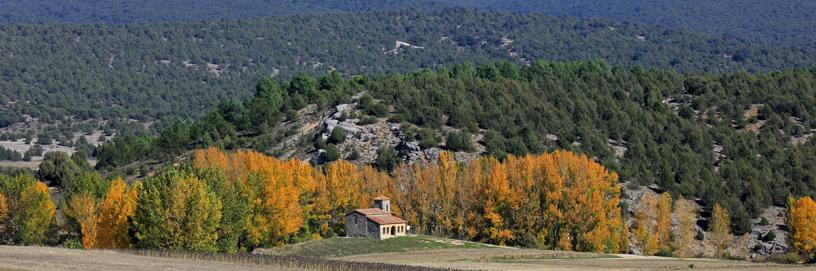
x=48 y=258
x=529 y=259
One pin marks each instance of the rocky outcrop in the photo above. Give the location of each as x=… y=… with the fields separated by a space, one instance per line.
x=366 y=139
x=754 y=244
x=771 y=220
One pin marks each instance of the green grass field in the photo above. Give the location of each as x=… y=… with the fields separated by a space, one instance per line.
x=344 y=246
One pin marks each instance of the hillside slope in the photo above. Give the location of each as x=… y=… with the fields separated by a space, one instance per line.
x=788 y=21
x=161 y=71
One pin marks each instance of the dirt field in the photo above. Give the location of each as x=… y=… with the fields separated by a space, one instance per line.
x=47 y=258
x=528 y=259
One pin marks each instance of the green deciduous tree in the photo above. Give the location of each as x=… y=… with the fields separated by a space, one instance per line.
x=176 y=210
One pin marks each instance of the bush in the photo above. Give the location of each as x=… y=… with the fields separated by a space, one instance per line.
x=764 y=222
x=332 y=153
x=785 y=258
x=291 y=115
x=459 y=141
x=367 y=120
x=665 y=253
x=428 y=143
x=377 y=109
x=700 y=236
x=427 y=138
x=337 y=136
x=72 y=243
x=386 y=158
x=355 y=154
x=769 y=237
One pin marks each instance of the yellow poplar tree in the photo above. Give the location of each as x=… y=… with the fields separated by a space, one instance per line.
x=684 y=231
x=118 y=205
x=802 y=225
x=37 y=215
x=498 y=197
x=470 y=192
x=193 y=214
x=82 y=209
x=645 y=225
x=720 y=229
x=4 y=211
x=663 y=224
x=444 y=193
x=176 y=210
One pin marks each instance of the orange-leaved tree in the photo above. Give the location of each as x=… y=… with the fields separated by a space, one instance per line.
x=114 y=212
x=81 y=209
x=498 y=204
x=4 y=211
x=590 y=203
x=802 y=225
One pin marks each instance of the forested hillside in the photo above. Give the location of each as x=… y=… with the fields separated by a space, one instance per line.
x=120 y=12
x=787 y=21
x=738 y=139
x=161 y=71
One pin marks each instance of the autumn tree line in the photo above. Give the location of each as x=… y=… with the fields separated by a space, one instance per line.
x=240 y=200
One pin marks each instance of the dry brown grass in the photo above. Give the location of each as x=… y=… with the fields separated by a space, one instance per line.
x=497 y=258
x=530 y=259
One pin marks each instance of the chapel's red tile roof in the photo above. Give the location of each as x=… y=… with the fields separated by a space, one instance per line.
x=381 y=197
x=379 y=216
x=386 y=219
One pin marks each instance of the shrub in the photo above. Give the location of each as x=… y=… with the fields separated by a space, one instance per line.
x=377 y=109
x=291 y=115
x=355 y=154
x=332 y=153
x=459 y=141
x=665 y=253
x=337 y=136
x=72 y=243
x=386 y=158
x=769 y=237
x=427 y=138
x=367 y=120
x=785 y=258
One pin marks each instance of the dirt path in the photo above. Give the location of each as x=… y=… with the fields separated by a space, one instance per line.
x=529 y=259
x=47 y=258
